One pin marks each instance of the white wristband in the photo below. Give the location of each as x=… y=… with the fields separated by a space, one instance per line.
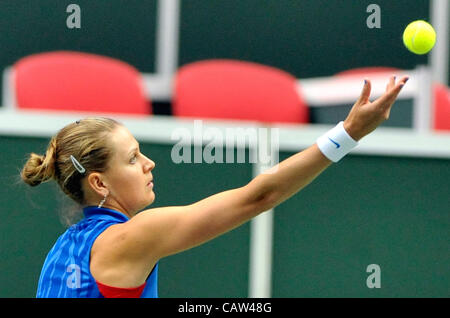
x=336 y=143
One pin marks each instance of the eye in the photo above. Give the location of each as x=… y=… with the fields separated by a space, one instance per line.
x=133 y=159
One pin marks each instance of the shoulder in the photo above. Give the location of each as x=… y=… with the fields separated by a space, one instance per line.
x=111 y=262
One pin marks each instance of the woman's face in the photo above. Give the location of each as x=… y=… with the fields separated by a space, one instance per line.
x=128 y=175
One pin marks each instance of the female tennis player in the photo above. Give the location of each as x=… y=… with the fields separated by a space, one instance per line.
x=114 y=250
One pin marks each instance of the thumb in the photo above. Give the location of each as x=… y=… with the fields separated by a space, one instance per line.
x=365 y=93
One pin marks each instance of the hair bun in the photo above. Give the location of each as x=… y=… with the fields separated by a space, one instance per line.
x=40 y=168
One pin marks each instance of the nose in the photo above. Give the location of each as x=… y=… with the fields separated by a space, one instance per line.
x=149 y=164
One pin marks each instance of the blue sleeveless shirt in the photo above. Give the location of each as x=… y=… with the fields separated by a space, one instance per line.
x=66 y=271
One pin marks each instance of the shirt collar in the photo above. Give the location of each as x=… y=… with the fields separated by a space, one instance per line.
x=94 y=212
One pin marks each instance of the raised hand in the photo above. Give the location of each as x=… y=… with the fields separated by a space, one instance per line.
x=365 y=116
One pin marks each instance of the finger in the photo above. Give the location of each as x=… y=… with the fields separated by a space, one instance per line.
x=391 y=83
x=401 y=83
x=404 y=79
x=388 y=98
x=365 y=93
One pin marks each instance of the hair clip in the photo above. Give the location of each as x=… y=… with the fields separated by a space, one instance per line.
x=77 y=165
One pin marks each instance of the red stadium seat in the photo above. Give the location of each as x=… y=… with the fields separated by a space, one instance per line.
x=75 y=81
x=441 y=107
x=230 y=89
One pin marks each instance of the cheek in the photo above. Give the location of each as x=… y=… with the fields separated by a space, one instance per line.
x=127 y=182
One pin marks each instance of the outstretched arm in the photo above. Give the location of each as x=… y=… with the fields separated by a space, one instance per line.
x=297 y=171
x=155 y=233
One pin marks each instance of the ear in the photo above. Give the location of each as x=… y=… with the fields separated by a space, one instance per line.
x=96 y=181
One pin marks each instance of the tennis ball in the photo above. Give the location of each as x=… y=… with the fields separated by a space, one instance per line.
x=419 y=37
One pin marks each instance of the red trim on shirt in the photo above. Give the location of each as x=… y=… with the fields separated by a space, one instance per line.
x=120 y=292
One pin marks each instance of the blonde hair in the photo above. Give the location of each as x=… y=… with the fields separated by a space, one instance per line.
x=87 y=141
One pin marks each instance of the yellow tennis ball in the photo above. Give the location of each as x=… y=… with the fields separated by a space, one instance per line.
x=419 y=37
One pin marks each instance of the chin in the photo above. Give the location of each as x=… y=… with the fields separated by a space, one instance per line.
x=147 y=200
x=150 y=200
